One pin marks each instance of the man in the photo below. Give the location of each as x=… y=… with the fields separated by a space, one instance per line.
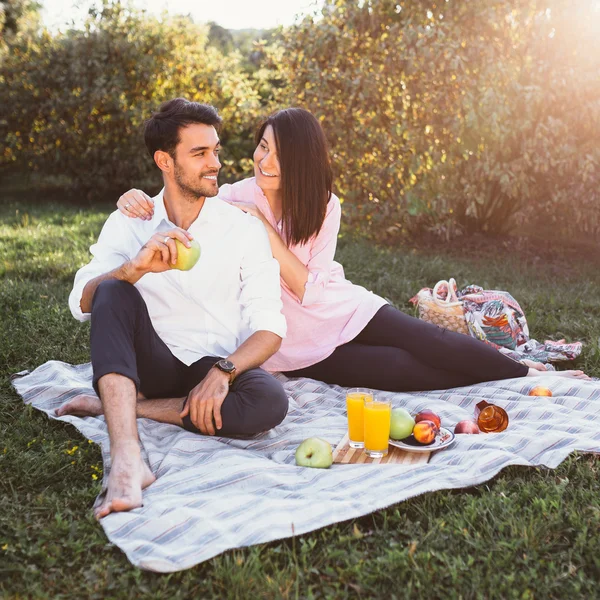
x=158 y=334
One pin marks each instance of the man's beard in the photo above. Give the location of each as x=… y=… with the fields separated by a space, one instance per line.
x=193 y=190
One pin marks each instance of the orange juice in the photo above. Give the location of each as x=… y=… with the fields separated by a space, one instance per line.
x=355 y=402
x=377 y=416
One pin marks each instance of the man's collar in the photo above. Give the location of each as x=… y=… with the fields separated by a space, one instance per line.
x=160 y=211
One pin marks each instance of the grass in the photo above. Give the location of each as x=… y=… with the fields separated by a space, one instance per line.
x=529 y=533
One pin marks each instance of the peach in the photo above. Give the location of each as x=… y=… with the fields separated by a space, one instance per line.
x=540 y=391
x=428 y=415
x=466 y=427
x=425 y=432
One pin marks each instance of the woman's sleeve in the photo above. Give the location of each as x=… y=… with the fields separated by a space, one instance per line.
x=322 y=253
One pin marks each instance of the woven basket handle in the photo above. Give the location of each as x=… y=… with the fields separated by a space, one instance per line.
x=451 y=298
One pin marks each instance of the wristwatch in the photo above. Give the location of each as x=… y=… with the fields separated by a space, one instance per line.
x=227 y=367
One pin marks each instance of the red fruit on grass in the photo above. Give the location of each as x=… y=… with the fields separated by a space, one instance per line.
x=428 y=415
x=466 y=427
x=425 y=431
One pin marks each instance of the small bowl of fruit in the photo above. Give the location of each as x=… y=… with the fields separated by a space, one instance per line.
x=421 y=433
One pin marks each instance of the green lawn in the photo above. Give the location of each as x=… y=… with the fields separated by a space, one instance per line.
x=529 y=533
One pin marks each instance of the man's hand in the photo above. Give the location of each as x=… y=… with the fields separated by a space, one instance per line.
x=205 y=401
x=160 y=251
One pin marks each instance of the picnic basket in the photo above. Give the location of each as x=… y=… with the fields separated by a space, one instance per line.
x=442 y=307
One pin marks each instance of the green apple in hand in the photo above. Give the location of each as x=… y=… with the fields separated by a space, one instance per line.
x=314 y=452
x=186 y=257
x=402 y=424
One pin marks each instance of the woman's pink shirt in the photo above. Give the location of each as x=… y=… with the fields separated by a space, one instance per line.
x=334 y=310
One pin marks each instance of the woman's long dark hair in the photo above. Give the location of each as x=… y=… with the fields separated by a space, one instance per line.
x=305 y=171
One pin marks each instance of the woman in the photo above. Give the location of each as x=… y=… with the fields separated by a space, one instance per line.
x=338 y=332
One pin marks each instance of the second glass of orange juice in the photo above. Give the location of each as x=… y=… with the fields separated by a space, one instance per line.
x=377 y=416
x=356 y=398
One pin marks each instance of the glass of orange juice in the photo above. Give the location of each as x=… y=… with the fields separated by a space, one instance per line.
x=377 y=416
x=356 y=398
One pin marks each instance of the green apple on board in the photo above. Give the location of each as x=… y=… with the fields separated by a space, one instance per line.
x=314 y=452
x=401 y=424
x=186 y=257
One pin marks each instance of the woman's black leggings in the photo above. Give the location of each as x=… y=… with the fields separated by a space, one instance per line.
x=398 y=353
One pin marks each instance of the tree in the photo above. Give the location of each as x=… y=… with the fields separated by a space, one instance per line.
x=18 y=15
x=220 y=38
x=443 y=113
x=74 y=103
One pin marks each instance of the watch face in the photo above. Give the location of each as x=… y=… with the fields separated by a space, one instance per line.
x=226 y=365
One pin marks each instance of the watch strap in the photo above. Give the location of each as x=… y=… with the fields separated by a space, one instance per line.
x=226 y=366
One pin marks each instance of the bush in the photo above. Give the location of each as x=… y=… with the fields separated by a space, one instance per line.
x=74 y=103
x=455 y=116
x=471 y=115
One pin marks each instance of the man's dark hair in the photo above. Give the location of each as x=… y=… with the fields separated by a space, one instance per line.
x=161 y=130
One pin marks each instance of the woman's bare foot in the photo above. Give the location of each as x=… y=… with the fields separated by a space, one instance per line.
x=81 y=406
x=129 y=475
x=569 y=374
x=532 y=364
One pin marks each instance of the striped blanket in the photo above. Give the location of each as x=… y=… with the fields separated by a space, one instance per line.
x=213 y=494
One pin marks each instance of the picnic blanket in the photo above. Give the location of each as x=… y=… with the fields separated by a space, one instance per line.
x=213 y=494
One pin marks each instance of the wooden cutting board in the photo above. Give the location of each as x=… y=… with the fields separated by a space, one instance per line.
x=345 y=455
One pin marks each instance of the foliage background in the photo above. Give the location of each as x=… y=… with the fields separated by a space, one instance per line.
x=528 y=129
x=442 y=116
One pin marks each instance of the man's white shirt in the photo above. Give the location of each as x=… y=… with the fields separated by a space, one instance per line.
x=210 y=310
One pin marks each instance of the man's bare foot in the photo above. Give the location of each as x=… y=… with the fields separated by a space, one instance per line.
x=569 y=374
x=81 y=406
x=532 y=364
x=85 y=406
x=129 y=475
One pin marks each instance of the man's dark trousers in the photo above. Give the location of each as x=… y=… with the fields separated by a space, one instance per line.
x=124 y=341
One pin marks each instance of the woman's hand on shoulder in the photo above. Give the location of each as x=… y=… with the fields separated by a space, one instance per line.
x=136 y=204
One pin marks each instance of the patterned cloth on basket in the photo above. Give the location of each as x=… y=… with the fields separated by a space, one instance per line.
x=491 y=316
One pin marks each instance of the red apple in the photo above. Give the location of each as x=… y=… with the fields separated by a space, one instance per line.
x=466 y=427
x=425 y=431
x=428 y=415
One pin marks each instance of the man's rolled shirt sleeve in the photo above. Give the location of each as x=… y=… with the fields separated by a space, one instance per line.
x=260 y=295
x=108 y=254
